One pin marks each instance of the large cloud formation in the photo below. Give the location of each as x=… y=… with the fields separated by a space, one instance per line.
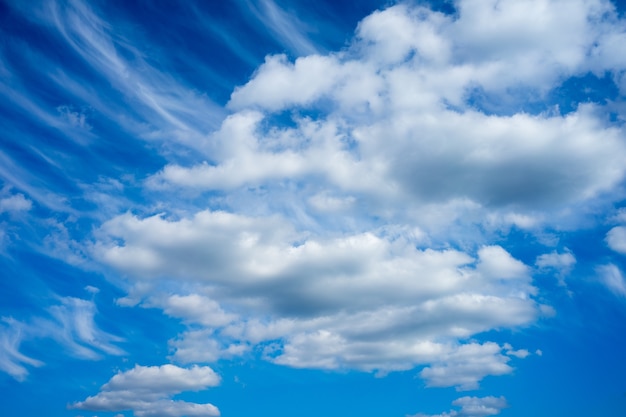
x=322 y=255
x=341 y=215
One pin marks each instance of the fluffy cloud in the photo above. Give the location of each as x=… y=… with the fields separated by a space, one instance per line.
x=474 y=407
x=365 y=301
x=15 y=203
x=561 y=261
x=616 y=239
x=357 y=191
x=404 y=117
x=146 y=390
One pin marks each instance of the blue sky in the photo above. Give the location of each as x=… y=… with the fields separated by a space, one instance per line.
x=339 y=208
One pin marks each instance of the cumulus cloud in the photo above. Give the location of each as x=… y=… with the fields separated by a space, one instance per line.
x=412 y=143
x=194 y=308
x=616 y=239
x=147 y=391
x=365 y=301
x=398 y=126
x=15 y=203
x=560 y=261
x=474 y=407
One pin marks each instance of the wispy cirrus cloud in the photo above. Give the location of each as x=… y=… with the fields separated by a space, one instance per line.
x=70 y=323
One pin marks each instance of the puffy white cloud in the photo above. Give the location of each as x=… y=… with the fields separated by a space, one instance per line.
x=397 y=124
x=365 y=301
x=562 y=261
x=466 y=366
x=146 y=390
x=412 y=141
x=282 y=84
x=474 y=407
x=204 y=346
x=616 y=239
x=15 y=203
x=194 y=308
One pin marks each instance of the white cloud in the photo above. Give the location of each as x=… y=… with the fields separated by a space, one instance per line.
x=286 y=28
x=194 y=308
x=480 y=407
x=74 y=327
x=146 y=390
x=410 y=143
x=11 y=360
x=204 y=346
x=15 y=203
x=327 y=203
x=278 y=83
x=521 y=353
x=616 y=239
x=77 y=119
x=70 y=323
x=365 y=301
x=611 y=276
x=524 y=162
x=466 y=366
x=474 y=407
x=561 y=263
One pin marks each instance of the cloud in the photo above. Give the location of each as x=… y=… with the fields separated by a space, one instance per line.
x=11 y=360
x=195 y=308
x=474 y=407
x=417 y=88
x=414 y=139
x=15 y=203
x=286 y=28
x=466 y=366
x=73 y=326
x=616 y=239
x=365 y=301
x=342 y=215
x=74 y=118
x=161 y=107
x=611 y=276
x=561 y=263
x=146 y=390
x=70 y=323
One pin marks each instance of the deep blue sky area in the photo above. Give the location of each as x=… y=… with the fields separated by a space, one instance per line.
x=304 y=208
